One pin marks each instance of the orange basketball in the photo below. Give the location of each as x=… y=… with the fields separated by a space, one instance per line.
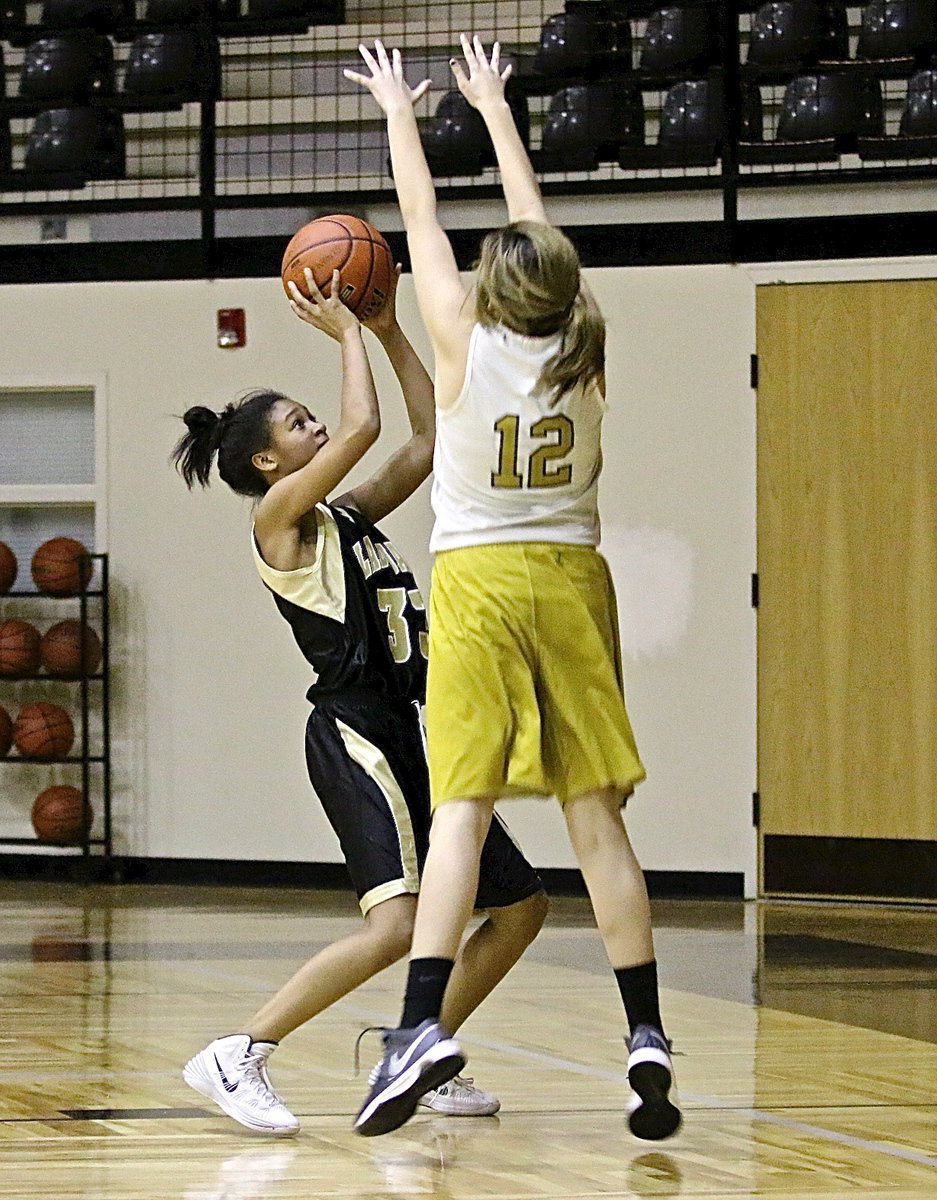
x=43 y=731
x=61 y=567
x=352 y=246
x=6 y=732
x=19 y=649
x=60 y=816
x=8 y=567
x=62 y=647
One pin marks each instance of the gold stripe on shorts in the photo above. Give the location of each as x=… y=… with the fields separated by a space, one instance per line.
x=373 y=762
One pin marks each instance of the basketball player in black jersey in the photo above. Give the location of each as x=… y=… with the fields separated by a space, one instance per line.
x=355 y=611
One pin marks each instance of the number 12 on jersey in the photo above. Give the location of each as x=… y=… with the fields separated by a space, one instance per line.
x=545 y=468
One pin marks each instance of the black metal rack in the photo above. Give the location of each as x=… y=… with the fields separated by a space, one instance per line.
x=95 y=766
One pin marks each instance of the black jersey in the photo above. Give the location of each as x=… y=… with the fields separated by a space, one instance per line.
x=356 y=612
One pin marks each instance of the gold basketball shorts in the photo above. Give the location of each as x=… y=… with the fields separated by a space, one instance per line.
x=524 y=691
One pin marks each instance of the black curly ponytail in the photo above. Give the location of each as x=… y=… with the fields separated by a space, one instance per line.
x=236 y=434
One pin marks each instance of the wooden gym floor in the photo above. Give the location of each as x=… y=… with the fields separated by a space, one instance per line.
x=806 y=1039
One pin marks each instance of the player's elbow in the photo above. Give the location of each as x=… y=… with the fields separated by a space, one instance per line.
x=419 y=212
x=422 y=446
x=360 y=432
x=368 y=428
x=535 y=214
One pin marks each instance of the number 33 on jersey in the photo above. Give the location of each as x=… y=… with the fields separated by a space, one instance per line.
x=356 y=612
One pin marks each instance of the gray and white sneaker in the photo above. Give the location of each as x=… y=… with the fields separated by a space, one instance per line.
x=415 y=1061
x=461 y=1098
x=232 y=1071
x=652 y=1115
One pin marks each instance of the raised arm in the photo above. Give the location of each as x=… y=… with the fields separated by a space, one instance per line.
x=408 y=466
x=439 y=289
x=290 y=498
x=483 y=88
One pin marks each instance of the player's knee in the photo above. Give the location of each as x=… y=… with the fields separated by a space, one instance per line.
x=397 y=943
x=594 y=823
x=390 y=933
x=536 y=908
x=526 y=917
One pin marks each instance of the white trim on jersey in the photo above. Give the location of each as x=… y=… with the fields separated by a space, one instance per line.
x=320 y=587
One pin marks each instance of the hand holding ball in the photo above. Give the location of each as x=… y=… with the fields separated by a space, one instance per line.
x=350 y=246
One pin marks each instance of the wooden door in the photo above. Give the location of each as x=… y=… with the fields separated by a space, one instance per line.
x=847 y=560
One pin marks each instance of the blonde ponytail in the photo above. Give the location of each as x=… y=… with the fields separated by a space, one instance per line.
x=528 y=279
x=581 y=357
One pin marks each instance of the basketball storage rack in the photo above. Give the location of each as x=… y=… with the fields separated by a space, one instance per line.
x=93 y=756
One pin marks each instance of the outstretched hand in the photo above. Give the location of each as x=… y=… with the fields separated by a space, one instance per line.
x=386 y=82
x=484 y=84
x=330 y=315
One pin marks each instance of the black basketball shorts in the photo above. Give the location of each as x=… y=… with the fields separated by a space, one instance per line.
x=367 y=763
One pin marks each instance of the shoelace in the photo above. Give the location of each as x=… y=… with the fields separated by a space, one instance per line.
x=466 y=1082
x=251 y=1064
x=382 y=1030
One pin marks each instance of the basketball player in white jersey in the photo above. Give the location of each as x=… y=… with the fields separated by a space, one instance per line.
x=355 y=612
x=524 y=693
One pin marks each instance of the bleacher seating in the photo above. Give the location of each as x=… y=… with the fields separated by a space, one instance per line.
x=588 y=124
x=611 y=86
x=83 y=141
x=102 y=15
x=681 y=37
x=798 y=33
x=68 y=68
x=176 y=65
x=917 y=131
x=172 y=12
x=898 y=29
x=456 y=140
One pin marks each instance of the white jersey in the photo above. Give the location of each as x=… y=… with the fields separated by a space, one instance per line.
x=513 y=464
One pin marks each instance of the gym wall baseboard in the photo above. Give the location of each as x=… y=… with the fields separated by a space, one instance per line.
x=855 y=868
x=206 y=872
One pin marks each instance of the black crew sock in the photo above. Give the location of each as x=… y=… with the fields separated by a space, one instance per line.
x=426 y=986
x=638 y=987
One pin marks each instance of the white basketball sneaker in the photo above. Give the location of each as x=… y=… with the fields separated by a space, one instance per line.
x=232 y=1071
x=461 y=1098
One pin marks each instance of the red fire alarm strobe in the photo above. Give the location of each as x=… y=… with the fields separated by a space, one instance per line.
x=232 y=328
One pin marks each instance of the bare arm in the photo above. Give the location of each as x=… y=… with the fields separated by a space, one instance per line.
x=406 y=469
x=290 y=498
x=483 y=87
x=439 y=289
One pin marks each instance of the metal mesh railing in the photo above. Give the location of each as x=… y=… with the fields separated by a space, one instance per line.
x=281 y=121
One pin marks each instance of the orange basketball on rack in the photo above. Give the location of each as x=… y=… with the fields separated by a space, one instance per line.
x=61 y=567
x=351 y=246
x=60 y=816
x=6 y=732
x=19 y=649
x=62 y=647
x=8 y=567
x=43 y=731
